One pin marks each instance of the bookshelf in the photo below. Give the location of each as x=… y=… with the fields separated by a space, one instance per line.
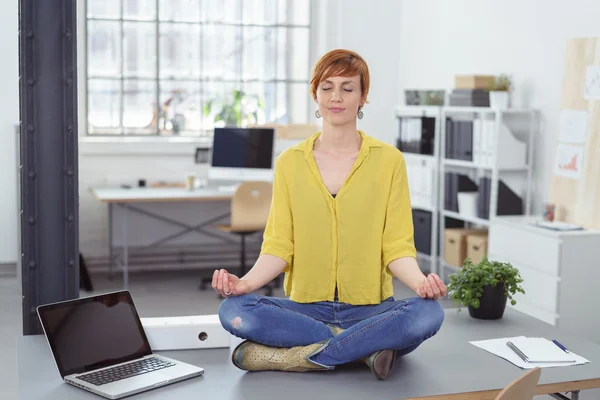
x=496 y=159
x=423 y=177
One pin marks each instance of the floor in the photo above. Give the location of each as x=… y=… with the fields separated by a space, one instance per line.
x=156 y=294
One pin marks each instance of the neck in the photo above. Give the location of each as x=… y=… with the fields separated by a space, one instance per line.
x=340 y=139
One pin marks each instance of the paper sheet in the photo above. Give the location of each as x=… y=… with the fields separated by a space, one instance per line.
x=499 y=348
x=591 y=89
x=573 y=126
x=568 y=161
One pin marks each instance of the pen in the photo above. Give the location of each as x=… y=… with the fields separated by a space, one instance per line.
x=517 y=351
x=563 y=348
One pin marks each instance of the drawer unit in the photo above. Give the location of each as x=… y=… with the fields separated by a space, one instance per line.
x=514 y=245
x=541 y=290
x=559 y=270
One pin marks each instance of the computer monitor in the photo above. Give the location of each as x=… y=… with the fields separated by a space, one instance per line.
x=242 y=154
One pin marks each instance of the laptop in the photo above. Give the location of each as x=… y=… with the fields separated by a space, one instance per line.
x=99 y=345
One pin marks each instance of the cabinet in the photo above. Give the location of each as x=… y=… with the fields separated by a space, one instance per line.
x=560 y=270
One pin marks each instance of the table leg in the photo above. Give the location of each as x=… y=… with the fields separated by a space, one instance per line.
x=574 y=396
x=110 y=242
x=125 y=250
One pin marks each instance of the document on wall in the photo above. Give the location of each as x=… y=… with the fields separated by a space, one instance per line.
x=542 y=352
x=568 y=161
x=573 y=126
x=591 y=88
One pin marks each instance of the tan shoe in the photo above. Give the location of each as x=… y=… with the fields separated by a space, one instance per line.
x=335 y=330
x=252 y=356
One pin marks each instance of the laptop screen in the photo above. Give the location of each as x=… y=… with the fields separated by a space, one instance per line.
x=94 y=332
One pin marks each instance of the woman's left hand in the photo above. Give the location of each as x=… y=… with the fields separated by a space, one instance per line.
x=432 y=287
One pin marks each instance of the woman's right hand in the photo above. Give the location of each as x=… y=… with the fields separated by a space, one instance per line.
x=227 y=284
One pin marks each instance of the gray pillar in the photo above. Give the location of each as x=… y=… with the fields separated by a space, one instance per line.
x=48 y=144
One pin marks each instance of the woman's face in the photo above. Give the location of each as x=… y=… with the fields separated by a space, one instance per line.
x=339 y=98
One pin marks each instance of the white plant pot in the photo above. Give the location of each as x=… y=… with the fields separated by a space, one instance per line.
x=498 y=100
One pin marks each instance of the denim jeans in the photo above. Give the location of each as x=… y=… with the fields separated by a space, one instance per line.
x=400 y=325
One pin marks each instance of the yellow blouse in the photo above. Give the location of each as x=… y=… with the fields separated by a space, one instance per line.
x=348 y=240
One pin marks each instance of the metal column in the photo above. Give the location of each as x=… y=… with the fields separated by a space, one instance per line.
x=48 y=154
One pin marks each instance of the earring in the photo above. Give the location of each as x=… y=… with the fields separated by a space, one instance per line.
x=317 y=114
x=360 y=114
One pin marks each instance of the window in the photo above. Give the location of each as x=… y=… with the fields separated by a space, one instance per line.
x=182 y=67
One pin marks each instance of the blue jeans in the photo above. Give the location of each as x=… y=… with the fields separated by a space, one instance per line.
x=400 y=325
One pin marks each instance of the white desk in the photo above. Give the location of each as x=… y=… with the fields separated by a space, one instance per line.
x=128 y=200
x=446 y=367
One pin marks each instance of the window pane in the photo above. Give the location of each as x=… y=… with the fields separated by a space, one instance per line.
x=253 y=103
x=280 y=112
x=179 y=50
x=219 y=103
x=139 y=9
x=221 y=52
x=298 y=40
x=259 y=53
x=140 y=49
x=104 y=9
x=103 y=106
x=298 y=103
x=181 y=108
x=270 y=101
x=259 y=12
x=293 y=12
x=221 y=10
x=139 y=106
x=104 y=48
x=283 y=53
x=179 y=10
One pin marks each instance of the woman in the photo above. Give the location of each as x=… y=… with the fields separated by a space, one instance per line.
x=340 y=227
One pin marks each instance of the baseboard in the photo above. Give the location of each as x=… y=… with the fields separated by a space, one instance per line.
x=8 y=269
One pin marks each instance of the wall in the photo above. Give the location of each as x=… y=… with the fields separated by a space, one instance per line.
x=353 y=25
x=9 y=117
x=527 y=39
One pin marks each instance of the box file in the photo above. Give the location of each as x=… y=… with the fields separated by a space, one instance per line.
x=188 y=332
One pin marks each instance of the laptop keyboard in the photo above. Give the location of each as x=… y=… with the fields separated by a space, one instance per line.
x=125 y=371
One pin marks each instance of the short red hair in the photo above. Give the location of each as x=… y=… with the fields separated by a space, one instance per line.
x=340 y=62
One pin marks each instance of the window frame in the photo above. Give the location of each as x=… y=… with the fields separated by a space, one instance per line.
x=202 y=137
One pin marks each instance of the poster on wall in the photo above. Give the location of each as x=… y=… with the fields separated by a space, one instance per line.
x=568 y=161
x=591 y=88
x=573 y=126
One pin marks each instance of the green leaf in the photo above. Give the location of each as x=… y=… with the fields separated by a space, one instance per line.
x=465 y=287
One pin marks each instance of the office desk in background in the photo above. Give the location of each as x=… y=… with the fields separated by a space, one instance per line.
x=135 y=200
x=445 y=367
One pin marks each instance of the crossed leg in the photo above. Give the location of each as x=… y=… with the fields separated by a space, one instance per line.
x=398 y=325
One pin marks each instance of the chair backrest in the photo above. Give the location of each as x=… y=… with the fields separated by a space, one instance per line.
x=522 y=388
x=250 y=205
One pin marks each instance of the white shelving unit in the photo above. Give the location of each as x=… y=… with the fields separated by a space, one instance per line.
x=511 y=156
x=499 y=163
x=431 y=162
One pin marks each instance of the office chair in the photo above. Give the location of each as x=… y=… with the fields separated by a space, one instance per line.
x=250 y=207
x=522 y=388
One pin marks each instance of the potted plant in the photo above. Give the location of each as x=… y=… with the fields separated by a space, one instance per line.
x=484 y=288
x=237 y=109
x=499 y=92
